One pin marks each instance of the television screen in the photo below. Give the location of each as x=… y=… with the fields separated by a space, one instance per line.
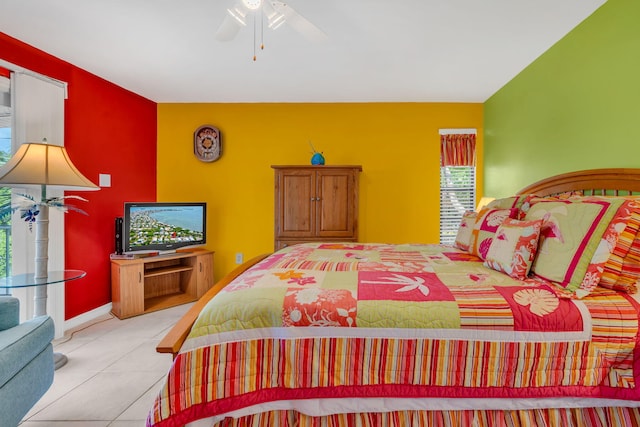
x=163 y=226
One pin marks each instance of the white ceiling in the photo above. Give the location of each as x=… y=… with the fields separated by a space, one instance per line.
x=375 y=51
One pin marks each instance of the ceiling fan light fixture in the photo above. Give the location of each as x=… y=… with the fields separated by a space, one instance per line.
x=252 y=4
x=271 y=14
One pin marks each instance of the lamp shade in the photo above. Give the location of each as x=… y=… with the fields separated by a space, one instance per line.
x=43 y=164
x=484 y=202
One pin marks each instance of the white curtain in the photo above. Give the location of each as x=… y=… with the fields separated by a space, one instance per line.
x=38 y=111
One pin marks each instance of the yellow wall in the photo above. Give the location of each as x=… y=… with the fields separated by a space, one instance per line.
x=396 y=144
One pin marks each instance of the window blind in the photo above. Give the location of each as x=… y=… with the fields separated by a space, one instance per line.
x=457 y=195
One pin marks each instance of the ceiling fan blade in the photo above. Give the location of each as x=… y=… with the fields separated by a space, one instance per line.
x=234 y=19
x=298 y=22
x=274 y=18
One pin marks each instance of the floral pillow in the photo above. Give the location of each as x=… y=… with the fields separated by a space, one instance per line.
x=514 y=247
x=520 y=202
x=575 y=241
x=463 y=238
x=511 y=202
x=506 y=203
x=485 y=227
x=532 y=199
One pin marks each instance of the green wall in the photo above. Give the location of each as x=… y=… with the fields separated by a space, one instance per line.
x=576 y=107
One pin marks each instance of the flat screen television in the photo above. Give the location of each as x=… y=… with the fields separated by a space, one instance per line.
x=162 y=226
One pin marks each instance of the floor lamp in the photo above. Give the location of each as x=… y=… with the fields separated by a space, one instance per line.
x=45 y=165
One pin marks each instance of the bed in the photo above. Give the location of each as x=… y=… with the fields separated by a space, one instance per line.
x=531 y=318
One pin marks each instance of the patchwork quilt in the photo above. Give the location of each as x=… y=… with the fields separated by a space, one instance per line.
x=316 y=323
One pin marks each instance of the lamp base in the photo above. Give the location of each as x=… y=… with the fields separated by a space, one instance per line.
x=59 y=360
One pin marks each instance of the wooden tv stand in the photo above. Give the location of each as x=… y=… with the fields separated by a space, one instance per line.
x=143 y=285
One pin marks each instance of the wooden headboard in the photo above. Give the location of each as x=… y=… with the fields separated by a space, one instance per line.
x=613 y=181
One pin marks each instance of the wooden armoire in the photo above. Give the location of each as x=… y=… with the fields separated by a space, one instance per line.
x=316 y=204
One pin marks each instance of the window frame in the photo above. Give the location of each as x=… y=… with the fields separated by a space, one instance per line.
x=458 y=178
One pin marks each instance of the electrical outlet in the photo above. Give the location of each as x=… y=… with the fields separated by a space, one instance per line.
x=239 y=258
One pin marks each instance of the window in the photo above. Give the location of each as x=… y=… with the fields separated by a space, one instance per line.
x=457 y=180
x=5 y=154
x=31 y=108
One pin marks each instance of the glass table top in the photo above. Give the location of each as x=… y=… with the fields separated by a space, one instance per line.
x=27 y=280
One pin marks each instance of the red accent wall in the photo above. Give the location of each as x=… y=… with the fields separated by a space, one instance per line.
x=108 y=130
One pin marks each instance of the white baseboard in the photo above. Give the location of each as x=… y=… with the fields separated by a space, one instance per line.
x=87 y=317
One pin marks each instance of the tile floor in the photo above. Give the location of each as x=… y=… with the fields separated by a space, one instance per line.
x=112 y=375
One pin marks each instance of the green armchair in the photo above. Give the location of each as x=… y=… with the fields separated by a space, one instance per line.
x=26 y=361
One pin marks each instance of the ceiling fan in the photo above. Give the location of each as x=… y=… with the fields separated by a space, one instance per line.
x=259 y=13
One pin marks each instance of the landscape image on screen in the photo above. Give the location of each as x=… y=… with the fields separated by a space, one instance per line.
x=154 y=226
